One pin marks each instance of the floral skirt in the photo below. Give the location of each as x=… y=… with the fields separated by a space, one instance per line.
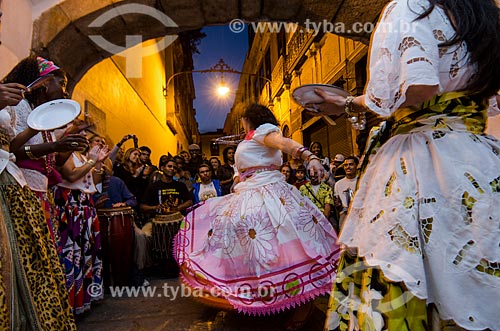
x=49 y=210
x=264 y=248
x=80 y=247
x=32 y=291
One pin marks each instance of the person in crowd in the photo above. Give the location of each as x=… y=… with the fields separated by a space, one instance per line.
x=187 y=178
x=115 y=194
x=422 y=229
x=300 y=176
x=186 y=156
x=317 y=149
x=215 y=164
x=117 y=152
x=227 y=170
x=207 y=187
x=145 y=156
x=195 y=160
x=336 y=168
x=166 y=197
x=97 y=140
x=182 y=174
x=120 y=153
x=158 y=174
x=337 y=172
x=78 y=225
x=129 y=171
x=147 y=167
x=39 y=153
x=30 y=275
x=319 y=193
x=102 y=184
x=250 y=240
x=344 y=188
x=286 y=170
x=179 y=160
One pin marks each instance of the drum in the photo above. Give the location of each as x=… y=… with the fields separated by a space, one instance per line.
x=165 y=227
x=117 y=240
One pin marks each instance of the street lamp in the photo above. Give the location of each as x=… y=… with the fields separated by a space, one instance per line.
x=223 y=68
x=223 y=89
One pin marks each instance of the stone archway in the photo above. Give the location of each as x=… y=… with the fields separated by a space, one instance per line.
x=62 y=32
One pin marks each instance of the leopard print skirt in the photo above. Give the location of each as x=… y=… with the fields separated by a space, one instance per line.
x=33 y=294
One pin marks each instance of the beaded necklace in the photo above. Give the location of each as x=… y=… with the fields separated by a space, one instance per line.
x=50 y=159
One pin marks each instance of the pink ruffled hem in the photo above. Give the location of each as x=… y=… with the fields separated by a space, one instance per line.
x=280 y=306
x=253 y=306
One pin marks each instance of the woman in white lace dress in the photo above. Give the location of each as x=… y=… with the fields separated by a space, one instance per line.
x=424 y=226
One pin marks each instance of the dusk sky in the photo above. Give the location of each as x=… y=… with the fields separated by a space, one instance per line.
x=232 y=47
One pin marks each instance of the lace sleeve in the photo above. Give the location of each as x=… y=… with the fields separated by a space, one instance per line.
x=12 y=114
x=404 y=52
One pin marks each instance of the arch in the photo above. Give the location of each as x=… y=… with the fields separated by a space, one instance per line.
x=62 y=32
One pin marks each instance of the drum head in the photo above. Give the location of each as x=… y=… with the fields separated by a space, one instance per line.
x=115 y=211
x=171 y=217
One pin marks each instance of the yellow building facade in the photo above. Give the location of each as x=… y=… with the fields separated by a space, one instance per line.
x=162 y=118
x=277 y=63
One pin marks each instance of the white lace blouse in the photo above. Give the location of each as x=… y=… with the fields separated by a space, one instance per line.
x=36 y=180
x=407 y=54
x=253 y=152
x=7 y=159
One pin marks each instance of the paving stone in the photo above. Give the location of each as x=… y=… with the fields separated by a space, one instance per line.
x=162 y=312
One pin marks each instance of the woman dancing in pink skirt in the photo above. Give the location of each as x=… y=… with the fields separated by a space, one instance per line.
x=265 y=247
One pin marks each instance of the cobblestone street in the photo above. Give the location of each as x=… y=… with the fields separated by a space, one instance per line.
x=153 y=310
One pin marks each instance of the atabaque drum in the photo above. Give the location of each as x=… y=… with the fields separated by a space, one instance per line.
x=117 y=241
x=165 y=227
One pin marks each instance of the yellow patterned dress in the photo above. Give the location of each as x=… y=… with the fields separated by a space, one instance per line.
x=33 y=295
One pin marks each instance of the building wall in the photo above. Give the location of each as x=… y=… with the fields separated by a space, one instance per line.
x=119 y=105
x=15 y=33
x=208 y=148
x=308 y=60
x=131 y=105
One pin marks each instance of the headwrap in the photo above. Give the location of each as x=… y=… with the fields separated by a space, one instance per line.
x=45 y=66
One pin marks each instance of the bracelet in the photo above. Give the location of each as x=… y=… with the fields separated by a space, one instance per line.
x=27 y=150
x=297 y=155
x=348 y=106
x=91 y=162
x=357 y=119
